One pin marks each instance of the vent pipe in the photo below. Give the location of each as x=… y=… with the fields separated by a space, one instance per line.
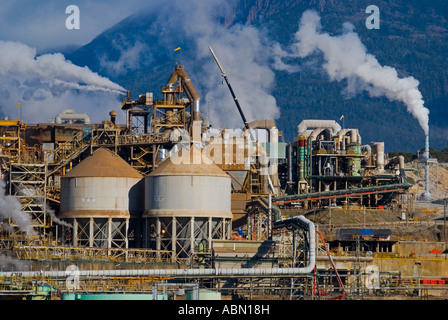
x=307 y=124
x=190 y=90
x=426 y=195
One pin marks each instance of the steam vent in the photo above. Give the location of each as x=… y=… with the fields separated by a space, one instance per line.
x=99 y=197
x=187 y=202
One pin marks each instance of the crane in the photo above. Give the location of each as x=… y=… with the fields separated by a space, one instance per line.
x=246 y=125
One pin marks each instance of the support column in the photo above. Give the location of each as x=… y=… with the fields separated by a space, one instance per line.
x=109 y=233
x=174 y=236
x=191 y=234
x=158 y=234
x=75 y=232
x=209 y=235
x=126 y=235
x=91 y=231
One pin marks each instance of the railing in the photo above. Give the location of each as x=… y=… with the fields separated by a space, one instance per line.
x=92 y=254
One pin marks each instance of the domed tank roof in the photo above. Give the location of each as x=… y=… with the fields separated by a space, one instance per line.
x=188 y=161
x=103 y=163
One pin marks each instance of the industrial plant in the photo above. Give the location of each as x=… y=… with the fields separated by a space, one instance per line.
x=166 y=207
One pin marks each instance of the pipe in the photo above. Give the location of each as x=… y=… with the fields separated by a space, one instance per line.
x=354 y=136
x=302 y=223
x=70 y=115
x=379 y=155
x=341 y=193
x=149 y=99
x=113 y=116
x=341 y=285
x=272 y=130
x=397 y=160
x=426 y=194
x=298 y=222
x=229 y=272
x=341 y=139
x=315 y=133
x=290 y=148
x=368 y=150
x=180 y=73
x=262 y=124
x=305 y=124
x=301 y=152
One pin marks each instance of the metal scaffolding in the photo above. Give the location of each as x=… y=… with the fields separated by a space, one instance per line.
x=28 y=183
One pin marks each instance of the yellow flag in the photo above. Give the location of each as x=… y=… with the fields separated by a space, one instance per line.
x=18 y=106
x=341 y=117
x=177 y=49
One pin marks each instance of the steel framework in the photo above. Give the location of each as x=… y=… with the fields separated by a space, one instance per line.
x=183 y=235
x=28 y=183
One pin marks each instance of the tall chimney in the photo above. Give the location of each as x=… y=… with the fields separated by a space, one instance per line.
x=426 y=195
x=113 y=116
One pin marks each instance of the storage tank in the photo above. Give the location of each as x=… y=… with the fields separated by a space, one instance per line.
x=354 y=163
x=101 y=197
x=187 y=200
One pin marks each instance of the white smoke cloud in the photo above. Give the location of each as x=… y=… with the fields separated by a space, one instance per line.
x=346 y=58
x=11 y=209
x=47 y=84
x=131 y=57
x=55 y=219
x=241 y=49
x=18 y=58
x=8 y=263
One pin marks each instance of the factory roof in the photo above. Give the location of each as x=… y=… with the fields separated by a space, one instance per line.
x=188 y=161
x=349 y=233
x=103 y=163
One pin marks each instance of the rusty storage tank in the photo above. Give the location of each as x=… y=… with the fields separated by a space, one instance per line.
x=102 y=197
x=187 y=204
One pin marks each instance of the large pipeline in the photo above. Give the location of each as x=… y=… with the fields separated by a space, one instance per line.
x=190 y=90
x=71 y=115
x=262 y=124
x=426 y=194
x=379 y=148
x=272 y=130
x=397 y=160
x=306 y=124
x=298 y=222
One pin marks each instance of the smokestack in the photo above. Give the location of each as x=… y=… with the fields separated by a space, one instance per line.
x=426 y=195
x=113 y=116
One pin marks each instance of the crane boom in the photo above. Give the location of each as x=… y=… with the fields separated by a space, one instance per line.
x=246 y=125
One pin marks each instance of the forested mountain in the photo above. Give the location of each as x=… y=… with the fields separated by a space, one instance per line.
x=138 y=53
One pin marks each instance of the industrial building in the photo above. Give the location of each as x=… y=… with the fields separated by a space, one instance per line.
x=182 y=207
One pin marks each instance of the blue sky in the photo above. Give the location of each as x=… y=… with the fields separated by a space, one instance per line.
x=41 y=24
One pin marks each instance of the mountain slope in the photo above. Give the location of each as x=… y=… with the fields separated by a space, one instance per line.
x=138 y=53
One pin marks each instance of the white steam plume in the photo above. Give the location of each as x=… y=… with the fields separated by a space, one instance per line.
x=131 y=57
x=346 y=58
x=241 y=50
x=18 y=58
x=10 y=208
x=55 y=219
x=47 y=84
x=8 y=263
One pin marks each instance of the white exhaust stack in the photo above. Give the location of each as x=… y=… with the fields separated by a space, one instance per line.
x=426 y=195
